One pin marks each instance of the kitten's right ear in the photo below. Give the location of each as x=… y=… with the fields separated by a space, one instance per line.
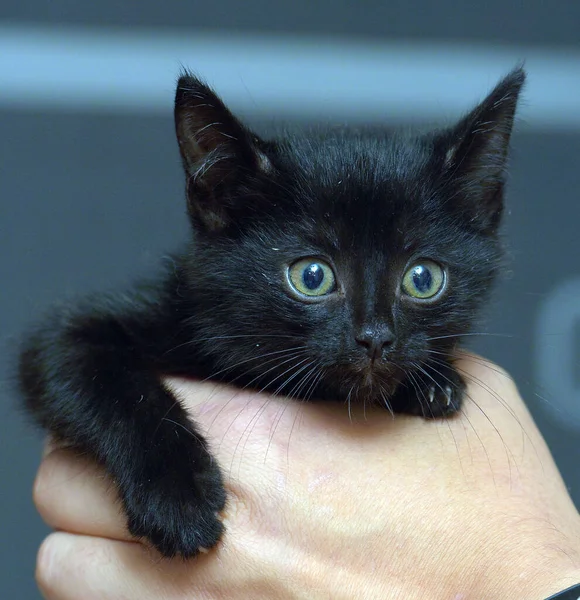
x=217 y=151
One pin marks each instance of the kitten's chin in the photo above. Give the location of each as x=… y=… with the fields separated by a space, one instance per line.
x=377 y=381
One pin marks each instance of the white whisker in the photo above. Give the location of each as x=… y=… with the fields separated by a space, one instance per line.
x=461 y=335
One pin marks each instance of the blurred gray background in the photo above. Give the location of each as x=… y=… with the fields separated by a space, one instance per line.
x=91 y=189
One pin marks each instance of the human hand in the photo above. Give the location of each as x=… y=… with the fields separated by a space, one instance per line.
x=322 y=507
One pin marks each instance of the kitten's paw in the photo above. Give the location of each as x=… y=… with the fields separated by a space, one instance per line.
x=179 y=519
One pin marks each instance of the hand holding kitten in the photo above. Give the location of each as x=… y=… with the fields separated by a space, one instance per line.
x=319 y=507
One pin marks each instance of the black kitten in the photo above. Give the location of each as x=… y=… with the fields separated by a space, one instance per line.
x=344 y=264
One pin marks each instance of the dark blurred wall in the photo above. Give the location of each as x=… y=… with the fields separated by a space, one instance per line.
x=533 y=22
x=90 y=197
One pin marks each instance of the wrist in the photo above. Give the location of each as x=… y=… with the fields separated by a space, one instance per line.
x=525 y=580
x=545 y=588
x=522 y=554
x=534 y=561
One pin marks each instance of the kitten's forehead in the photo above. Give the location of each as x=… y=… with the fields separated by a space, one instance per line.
x=360 y=186
x=365 y=156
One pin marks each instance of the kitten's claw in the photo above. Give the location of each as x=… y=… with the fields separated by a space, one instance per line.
x=447 y=392
x=444 y=397
x=448 y=395
x=441 y=398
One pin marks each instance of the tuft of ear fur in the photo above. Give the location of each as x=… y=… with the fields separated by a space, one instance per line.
x=476 y=150
x=217 y=151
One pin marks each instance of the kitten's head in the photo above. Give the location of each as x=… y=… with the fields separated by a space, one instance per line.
x=339 y=261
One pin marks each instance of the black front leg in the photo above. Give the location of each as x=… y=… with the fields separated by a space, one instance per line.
x=430 y=393
x=89 y=378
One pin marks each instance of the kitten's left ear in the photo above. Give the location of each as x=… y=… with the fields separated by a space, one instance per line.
x=219 y=154
x=475 y=153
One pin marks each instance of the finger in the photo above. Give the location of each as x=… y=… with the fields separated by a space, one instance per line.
x=70 y=567
x=72 y=493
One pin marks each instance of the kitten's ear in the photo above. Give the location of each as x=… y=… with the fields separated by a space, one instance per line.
x=476 y=149
x=218 y=153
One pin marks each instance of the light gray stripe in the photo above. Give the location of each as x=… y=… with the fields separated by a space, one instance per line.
x=122 y=70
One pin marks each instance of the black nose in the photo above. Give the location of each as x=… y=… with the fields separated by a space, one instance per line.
x=375 y=341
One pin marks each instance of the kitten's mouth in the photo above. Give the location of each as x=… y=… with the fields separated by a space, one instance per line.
x=375 y=376
x=365 y=380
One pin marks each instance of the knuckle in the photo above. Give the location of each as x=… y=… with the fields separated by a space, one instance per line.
x=42 y=487
x=238 y=505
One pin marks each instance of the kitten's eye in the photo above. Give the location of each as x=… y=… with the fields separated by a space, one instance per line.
x=423 y=280
x=312 y=277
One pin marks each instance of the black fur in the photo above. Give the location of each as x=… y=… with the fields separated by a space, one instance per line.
x=369 y=203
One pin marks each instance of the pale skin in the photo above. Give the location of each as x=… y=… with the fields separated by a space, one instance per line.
x=323 y=505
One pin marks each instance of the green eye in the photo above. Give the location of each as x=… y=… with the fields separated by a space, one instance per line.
x=311 y=277
x=423 y=280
